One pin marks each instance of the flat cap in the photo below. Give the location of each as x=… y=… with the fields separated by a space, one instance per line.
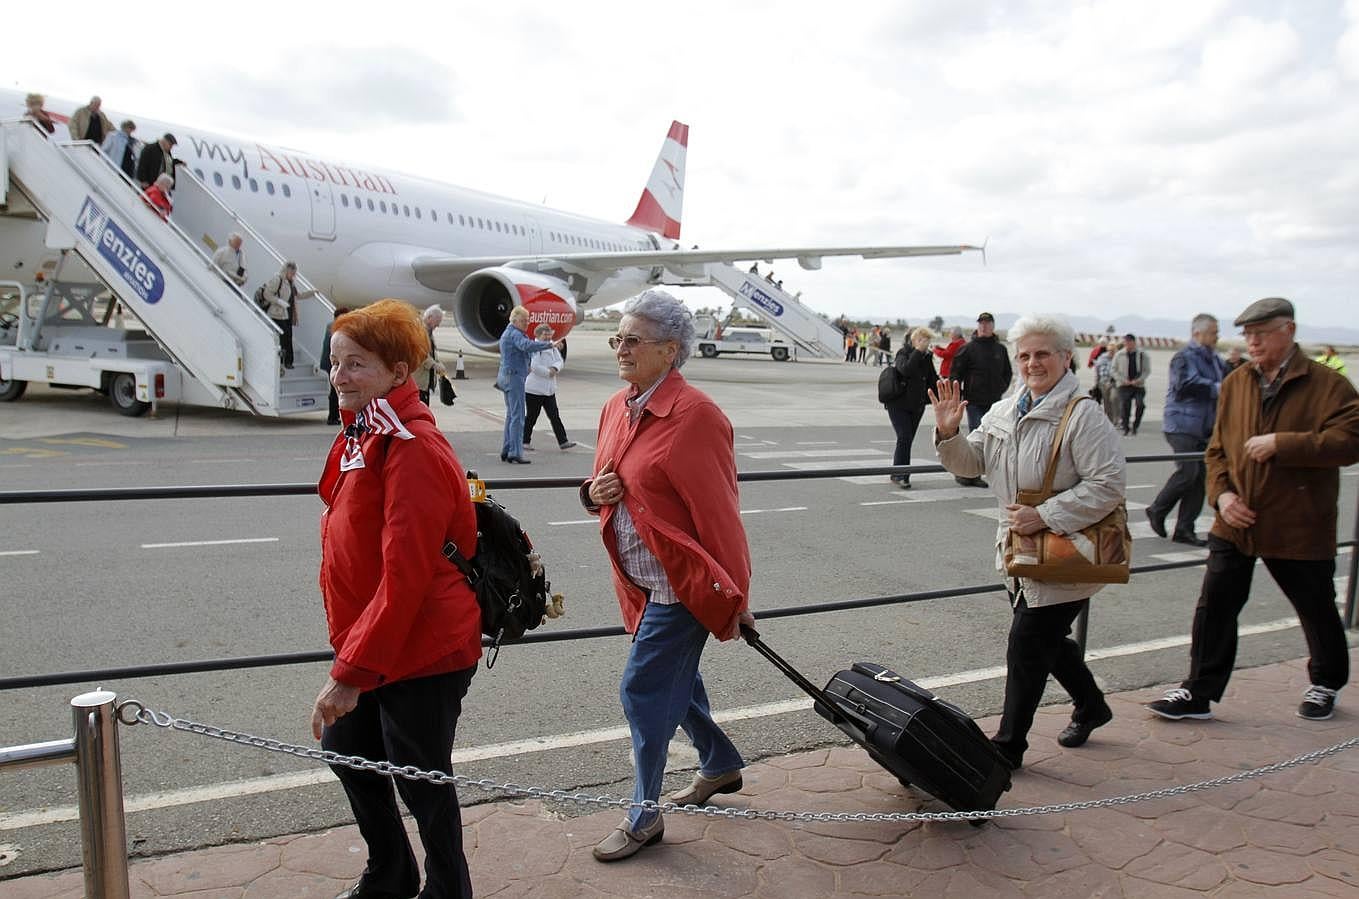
x=1264 y=310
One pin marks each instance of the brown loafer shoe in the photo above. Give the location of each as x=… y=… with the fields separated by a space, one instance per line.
x=703 y=787
x=623 y=843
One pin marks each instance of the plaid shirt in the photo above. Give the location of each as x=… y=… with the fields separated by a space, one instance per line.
x=643 y=568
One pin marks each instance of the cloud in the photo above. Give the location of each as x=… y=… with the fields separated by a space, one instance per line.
x=338 y=91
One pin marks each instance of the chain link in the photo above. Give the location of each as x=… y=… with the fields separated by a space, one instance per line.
x=132 y=711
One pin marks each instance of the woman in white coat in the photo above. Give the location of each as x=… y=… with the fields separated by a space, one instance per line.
x=1010 y=448
x=540 y=391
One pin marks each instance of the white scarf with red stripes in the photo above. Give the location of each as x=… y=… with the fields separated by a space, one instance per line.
x=378 y=417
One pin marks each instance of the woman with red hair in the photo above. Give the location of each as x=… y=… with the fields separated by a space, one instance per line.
x=403 y=621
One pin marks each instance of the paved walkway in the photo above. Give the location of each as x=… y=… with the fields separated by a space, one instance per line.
x=1293 y=834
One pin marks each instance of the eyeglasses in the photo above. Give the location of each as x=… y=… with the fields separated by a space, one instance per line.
x=631 y=341
x=1256 y=333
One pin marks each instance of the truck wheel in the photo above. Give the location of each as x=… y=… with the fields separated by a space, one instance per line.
x=11 y=390
x=123 y=395
x=780 y=353
x=708 y=350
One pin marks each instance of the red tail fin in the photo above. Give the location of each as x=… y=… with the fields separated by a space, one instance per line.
x=662 y=201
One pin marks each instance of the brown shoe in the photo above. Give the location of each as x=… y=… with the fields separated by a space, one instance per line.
x=623 y=843
x=703 y=787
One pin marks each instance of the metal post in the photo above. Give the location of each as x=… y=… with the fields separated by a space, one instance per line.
x=1354 y=575
x=1082 y=627
x=99 y=775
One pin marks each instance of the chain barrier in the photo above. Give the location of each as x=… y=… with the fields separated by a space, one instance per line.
x=132 y=712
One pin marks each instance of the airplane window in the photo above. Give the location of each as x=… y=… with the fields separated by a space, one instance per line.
x=344 y=200
x=382 y=204
x=217 y=178
x=236 y=182
x=417 y=212
x=395 y=211
x=358 y=203
x=433 y=215
x=450 y=217
x=287 y=191
x=481 y=224
x=460 y=221
x=269 y=188
x=254 y=186
x=497 y=226
x=199 y=173
x=406 y=210
x=370 y=204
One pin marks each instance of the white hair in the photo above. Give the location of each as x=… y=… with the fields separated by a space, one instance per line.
x=1201 y=323
x=672 y=319
x=164 y=181
x=431 y=311
x=1063 y=337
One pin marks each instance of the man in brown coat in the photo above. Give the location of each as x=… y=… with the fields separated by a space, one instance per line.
x=1285 y=426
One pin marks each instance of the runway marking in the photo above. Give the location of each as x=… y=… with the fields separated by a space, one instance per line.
x=942 y=494
x=784 y=509
x=210 y=542
x=813 y=454
x=217 y=461
x=295 y=780
x=119 y=464
x=1140 y=486
x=817 y=443
x=1189 y=555
x=20 y=552
x=574 y=521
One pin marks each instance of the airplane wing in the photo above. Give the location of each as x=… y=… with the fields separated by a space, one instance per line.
x=445 y=272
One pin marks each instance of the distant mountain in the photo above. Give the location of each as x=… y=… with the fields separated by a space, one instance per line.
x=1167 y=327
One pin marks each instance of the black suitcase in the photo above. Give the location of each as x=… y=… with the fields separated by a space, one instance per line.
x=923 y=741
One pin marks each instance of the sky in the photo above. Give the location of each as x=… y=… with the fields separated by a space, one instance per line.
x=1119 y=158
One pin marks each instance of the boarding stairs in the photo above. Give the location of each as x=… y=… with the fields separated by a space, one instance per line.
x=162 y=272
x=811 y=334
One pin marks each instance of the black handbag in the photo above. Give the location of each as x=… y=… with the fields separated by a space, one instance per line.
x=446 y=394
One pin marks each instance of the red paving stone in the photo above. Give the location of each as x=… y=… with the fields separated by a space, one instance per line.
x=1293 y=834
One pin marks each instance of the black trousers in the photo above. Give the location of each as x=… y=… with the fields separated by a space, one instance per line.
x=1040 y=644
x=1309 y=585
x=1185 y=486
x=286 y=341
x=1126 y=397
x=533 y=405
x=409 y=722
x=904 y=422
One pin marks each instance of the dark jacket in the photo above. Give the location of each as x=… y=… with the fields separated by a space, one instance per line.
x=153 y=162
x=917 y=369
x=1316 y=419
x=1196 y=374
x=983 y=368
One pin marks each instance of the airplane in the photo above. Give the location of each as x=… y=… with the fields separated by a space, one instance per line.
x=361 y=233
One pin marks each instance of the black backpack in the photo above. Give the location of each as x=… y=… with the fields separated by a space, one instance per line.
x=512 y=598
x=891 y=385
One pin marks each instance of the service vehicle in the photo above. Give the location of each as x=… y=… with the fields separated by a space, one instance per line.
x=745 y=340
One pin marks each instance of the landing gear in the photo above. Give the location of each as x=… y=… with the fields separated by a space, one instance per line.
x=122 y=392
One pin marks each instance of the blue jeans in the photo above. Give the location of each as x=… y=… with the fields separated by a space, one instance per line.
x=513 y=444
x=662 y=690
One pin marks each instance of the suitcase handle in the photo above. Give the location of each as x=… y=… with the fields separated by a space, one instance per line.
x=752 y=636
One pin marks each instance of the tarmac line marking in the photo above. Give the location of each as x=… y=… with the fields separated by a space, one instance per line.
x=573 y=521
x=210 y=542
x=20 y=552
x=217 y=461
x=120 y=464
x=275 y=782
x=813 y=454
x=83 y=441
x=817 y=443
x=784 y=509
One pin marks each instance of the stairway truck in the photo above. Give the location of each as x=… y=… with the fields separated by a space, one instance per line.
x=132 y=385
x=760 y=341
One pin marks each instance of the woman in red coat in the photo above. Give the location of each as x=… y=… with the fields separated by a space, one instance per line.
x=158 y=197
x=403 y=621
x=670 y=518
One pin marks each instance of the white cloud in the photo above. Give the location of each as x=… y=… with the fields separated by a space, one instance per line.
x=1249 y=53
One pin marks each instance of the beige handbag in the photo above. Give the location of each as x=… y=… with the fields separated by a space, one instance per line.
x=1098 y=554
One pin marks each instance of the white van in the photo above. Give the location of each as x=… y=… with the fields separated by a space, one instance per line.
x=745 y=340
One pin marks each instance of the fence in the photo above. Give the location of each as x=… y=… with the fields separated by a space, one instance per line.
x=94 y=747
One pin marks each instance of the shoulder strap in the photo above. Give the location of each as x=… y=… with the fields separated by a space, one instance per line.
x=1057 y=439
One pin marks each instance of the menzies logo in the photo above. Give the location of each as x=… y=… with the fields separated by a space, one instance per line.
x=760 y=298
x=121 y=252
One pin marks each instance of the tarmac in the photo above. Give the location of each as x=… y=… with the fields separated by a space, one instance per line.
x=1292 y=833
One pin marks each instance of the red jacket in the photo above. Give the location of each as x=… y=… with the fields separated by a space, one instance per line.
x=157 y=200
x=946 y=353
x=678 y=468
x=395 y=607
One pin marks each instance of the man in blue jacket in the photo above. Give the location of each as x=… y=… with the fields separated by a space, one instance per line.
x=516 y=349
x=1196 y=374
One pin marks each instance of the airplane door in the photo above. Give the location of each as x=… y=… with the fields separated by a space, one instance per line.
x=322 y=210
x=535 y=235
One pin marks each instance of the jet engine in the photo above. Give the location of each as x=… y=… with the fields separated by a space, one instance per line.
x=484 y=299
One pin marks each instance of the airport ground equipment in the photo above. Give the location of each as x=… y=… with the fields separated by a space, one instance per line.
x=803 y=328
x=108 y=259
x=760 y=341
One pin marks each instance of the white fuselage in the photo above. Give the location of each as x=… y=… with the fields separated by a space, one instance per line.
x=353 y=230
